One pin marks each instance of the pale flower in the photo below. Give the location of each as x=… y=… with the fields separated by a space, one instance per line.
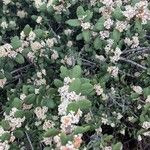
x=137 y=89
x=99 y=89
x=4 y=145
x=41 y=112
x=85 y=25
x=113 y=70
x=6 y=2
x=39 y=19
x=32 y=36
x=48 y=124
x=146 y=125
x=148 y=99
x=77 y=141
x=21 y=13
x=55 y=55
x=108 y=23
x=36 y=46
x=22 y=96
x=2 y=82
x=130 y=12
x=4 y=25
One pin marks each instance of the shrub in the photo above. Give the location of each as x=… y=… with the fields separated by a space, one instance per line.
x=74 y=74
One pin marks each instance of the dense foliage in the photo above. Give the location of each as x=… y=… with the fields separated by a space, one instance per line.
x=74 y=74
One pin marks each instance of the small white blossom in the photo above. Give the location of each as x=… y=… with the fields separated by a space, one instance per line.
x=113 y=70
x=137 y=89
x=39 y=19
x=4 y=25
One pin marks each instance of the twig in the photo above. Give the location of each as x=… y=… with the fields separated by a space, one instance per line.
x=55 y=35
x=90 y=62
x=127 y=74
x=138 y=53
x=135 y=50
x=29 y=140
x=133 y=63
x=19 y=69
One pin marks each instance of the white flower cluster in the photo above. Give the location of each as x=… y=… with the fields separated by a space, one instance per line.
x=85 y=25
x=147 y=99
x=133 y=43
x=121 y=25
x=13 y=121
x=68 y=121
x=99 y=89
x=146 y=125
x=41 y=112
x=139 y=10
x=71 y=145
x=4 y=145
x=58 y=8
x=48 y=124
x=137 y=89
x=106 y=121
x=7 y=51
x=40 y=80
x=116 y=55
x=2 y=82
x=66 y=96
x=113 y=70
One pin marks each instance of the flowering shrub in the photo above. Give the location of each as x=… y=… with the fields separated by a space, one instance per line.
x=74 y=74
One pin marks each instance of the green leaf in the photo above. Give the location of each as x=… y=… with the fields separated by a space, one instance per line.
x=117 y=14
x=27 y=30
x=75 y=85
x=2 y=76
x=43 y=8
x=73 y=22
x=80 y=12
x=146 y=91
x=17 y=103
x=88 y=15
x=100 y=24
x=64 y=72
x=79 y=37
x=116 y=35
x=117 y=146
x=48 y=103
x=108 y=138
x=47 y=148
x=15 y=42
x=138 y=26
x=51 y=132
x=84 y=104
x=76 y=72
x=39 y=33
x=72 y=107
x=86 y=35
x=5 y=136
x=81 y=130
x=86 y=88
x=20 y=114
x=65 y=138
x=5 y=124
x=30 y=99
x=58 y=83
x=19 y=59
x=18 y=133
x=98 y=43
